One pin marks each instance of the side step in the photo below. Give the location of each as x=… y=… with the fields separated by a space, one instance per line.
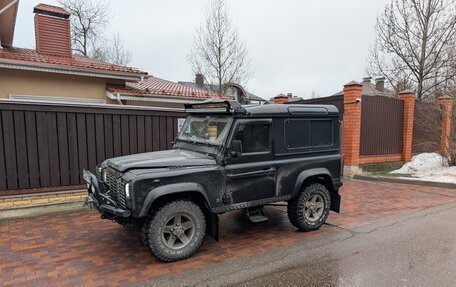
x=257 y=214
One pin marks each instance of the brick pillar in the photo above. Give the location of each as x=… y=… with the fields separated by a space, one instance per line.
x=408 y=97
x=352 y=127
x=446 y=104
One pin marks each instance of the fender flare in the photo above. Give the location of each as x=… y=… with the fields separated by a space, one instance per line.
x=306 y=174
x=174 y=188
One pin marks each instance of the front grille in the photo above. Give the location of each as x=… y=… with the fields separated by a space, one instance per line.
x=116 y=184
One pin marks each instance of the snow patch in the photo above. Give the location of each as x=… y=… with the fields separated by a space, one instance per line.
x=428 y=167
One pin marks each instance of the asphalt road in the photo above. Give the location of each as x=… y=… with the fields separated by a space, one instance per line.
x=419 y=251
x=415 y=250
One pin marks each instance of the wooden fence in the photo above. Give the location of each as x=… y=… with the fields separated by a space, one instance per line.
x=381 y=126
x=47 y=145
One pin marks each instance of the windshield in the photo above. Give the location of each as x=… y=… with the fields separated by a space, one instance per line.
x=205 y=129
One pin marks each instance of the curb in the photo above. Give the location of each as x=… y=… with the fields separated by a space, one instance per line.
x=406 y=181
x=32 y=211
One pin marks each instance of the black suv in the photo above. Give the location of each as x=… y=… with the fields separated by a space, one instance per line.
x=226 y=157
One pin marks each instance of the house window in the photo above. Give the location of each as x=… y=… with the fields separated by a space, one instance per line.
x=311 y=133
x=254 y=137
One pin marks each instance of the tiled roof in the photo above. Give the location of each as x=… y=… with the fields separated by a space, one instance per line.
x=23 y=55
x=155 y=86
x=52 y=9
x=370 y=89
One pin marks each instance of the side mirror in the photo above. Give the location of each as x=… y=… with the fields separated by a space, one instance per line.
x=236 y=148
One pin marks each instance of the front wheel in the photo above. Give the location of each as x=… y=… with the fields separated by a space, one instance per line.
x=175 y=231
x=310 y=209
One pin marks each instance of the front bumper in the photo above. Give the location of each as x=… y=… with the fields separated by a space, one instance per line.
x=102 y=201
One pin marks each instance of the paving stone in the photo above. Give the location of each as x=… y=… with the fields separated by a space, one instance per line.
x=80 y=249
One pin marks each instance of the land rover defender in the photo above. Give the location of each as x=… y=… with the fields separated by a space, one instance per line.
x=226 y=157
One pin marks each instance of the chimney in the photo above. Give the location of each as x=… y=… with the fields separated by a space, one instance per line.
x=290 y=96
x=367 y=79
x=199 y=79
x=52 y=30
x=380 y=84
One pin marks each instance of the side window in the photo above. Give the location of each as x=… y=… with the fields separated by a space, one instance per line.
x=321 y=133
x=297 y=134
x=310 y=133
x=254 y=137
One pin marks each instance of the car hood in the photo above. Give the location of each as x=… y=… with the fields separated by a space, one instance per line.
x=160 y=159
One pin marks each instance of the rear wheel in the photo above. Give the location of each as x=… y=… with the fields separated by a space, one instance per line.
x=310 y=209
x=175 y=231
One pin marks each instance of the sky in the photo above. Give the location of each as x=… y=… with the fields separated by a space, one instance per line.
x=295 y=46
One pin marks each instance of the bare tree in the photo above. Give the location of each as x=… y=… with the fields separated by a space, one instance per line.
x=116 y=53
x=415 y=44
x=88 y=21
x=218 y=51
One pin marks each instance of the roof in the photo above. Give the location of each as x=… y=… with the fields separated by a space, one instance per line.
x=51 y=10
x=25 y=56
x=268 y=110
x=369 y=89
x=153 y=86
x=215 y=88
x=294 y=110
x=280 y=96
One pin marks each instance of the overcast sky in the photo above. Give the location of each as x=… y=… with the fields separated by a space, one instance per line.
x=295 y=46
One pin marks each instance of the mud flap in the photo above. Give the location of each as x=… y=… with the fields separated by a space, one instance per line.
x=212 y=225
x=335 y=201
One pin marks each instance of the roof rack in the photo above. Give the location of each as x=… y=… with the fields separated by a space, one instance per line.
x=217 y=105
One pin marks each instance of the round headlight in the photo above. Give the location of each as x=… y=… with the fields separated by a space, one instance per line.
x=127 y=190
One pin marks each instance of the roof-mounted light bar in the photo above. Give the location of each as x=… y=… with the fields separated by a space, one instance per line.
x=216 y=106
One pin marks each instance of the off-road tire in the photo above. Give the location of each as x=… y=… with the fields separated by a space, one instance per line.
x=296 y=207
x=152 y=231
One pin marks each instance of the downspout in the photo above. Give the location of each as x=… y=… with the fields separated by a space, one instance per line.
x=7 y=6
x=118 y=99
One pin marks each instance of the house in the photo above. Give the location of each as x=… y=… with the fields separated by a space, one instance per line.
x=231 y=90
x=157 y=92
x=51 y=72
x=373 y=89
x=368 y=89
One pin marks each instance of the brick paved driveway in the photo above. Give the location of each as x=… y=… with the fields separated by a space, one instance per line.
x=79 y=249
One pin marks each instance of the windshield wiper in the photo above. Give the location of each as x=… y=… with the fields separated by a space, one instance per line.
x=196 y=142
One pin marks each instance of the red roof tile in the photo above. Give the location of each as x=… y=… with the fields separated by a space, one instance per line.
x=52 y=9
x=23 y=55
x=157 y=86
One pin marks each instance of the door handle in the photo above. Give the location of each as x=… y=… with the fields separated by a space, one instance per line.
x=270 y=171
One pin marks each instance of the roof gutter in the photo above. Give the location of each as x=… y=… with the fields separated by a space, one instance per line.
x=69 y=71
x=151 y=98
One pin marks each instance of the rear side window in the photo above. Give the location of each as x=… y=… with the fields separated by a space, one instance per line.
x=308 y=133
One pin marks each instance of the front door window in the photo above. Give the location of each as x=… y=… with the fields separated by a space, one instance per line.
x=254 y=137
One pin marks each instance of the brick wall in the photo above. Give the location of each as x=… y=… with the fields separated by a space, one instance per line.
x=446 y=105
x=352 y=124
x=409 y=114
x=23 y=201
